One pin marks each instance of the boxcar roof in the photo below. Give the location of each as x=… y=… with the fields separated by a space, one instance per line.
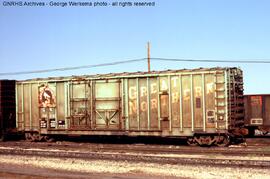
x=257 y=94
x=128 y=74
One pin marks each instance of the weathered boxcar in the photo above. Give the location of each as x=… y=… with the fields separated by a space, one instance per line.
x=7 y=107
x=205 y=105
x=257 y=113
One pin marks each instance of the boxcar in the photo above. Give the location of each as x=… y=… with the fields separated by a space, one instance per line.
x=205 y=105
x=7 y=107
x=257 y=113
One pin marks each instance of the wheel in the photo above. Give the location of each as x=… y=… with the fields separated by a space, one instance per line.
x=28 y=137
x=191 y=141
x=222 y=140
x=36 y=137
x=32 y=137
x=48 y=139
x=204 y=140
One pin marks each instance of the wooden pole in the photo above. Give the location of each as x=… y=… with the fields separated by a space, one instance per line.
x=148 y=56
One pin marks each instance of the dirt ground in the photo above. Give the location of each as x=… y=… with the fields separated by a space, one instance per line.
x=44 y=167
x=13 y=171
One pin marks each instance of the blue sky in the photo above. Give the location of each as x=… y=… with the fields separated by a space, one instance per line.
x=36 y=38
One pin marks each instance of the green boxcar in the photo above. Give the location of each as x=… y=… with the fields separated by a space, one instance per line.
x=205 y=105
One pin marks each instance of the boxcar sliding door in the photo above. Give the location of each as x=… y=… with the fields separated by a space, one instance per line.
x=80 y=97
x=107 y=104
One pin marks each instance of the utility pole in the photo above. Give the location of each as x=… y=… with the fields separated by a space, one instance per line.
x=148 y=56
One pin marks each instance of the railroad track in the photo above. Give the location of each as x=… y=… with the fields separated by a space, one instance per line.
x=234 y=150
x=138 y=157
x=240 y=157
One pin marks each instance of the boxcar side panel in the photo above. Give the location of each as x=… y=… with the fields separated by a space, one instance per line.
x=197 y=102
x=61 y=105
x=254 y=113
x=144 y=122
x=143 y=104
x=133 y=103
x=257 y=113
x=246 y=100
x=256 y=109
x=267 y=110
x=175 y=100
x=153 y=85
x=186 y=101
x=1 y=113
x=47 y=97
x=19 y=108
x=34 y=107
x=220 y=101
x=27 y=106
x=210 y=101
x=178 y=104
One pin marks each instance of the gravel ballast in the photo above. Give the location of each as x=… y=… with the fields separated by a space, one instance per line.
x=127 y=167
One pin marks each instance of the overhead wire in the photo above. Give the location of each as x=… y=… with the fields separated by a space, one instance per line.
x=72 y=68
x=247 y=61
x=213 y=61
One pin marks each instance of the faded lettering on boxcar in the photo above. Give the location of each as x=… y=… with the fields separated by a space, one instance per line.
x=210 y=87
x=186 y=93
x=175 y=97
x=132 y=92
x=198 y=91
x=163 y=87
x=256 y=100
x=153 y=89
x=143 y=92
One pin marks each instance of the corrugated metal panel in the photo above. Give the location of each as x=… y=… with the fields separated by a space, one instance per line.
x=197 y=105
x=34 y=107
x=197 y=102
x=186 y=91
x=61 y=105
x=210 y=100
x=27 y=106
x=20 y=107
x=257 y=110
x=153 y=103
x=267 y=110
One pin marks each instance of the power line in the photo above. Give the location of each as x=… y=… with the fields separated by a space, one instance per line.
x=254 y=61
x=213 y=61
x=72 y=68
